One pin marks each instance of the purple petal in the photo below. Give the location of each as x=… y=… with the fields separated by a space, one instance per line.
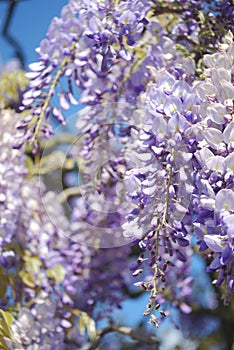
x=216 y=112
x=27 y=102
x=215 y=264
x=32 y=75
x=58 y=115
x=180 y=256
x=214 y=242
x=159 y=126
x=63 y=102
x=203 y=246
x=183 y=242
x=181 y=89
x=229 y=162
x=213 y=137
x=72 y=99
x=177 y=123
x=125 y=54
x=224 y=200
x=172 y=105
x=229 y=222
x=225 y=91
x=65 y=324
x=226 y=255
x=216 y=163
x=185 y=308
x=230 y=284
x=36 y=66
x=206 y=89
x=228 y=134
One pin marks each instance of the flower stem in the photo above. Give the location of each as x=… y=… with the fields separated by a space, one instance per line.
x=162 y=223
x=50 y=93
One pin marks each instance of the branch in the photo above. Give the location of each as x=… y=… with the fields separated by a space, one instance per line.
x=72 y=343
x=167 y=10
x=131 y=294
x=18 y=50
x=147 y=339
x=69 y=192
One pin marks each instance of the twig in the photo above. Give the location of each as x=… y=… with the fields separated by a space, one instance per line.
x=68 y=193
x=167 y=10
x=147 y=339
x=12 y=41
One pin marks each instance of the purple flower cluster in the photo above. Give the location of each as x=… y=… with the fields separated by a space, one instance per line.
x=38 y=327
x=49 y=270
x=213 y=200
x=104 y=50
x=12 y=171
x=155 y=159
x=208 y=19
x=95 y=225
x=184 y=179
x=105 y=283
x=161 y=185
x=170 y=288
x=82 y=45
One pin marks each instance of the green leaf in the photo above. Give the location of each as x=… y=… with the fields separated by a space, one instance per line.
x=86 y=323
x=7 y=317
x=28 y=162
x=82 y=325
x=76 y=312
x=6 y=320
x=4 y=331
x=3 y=345
x=201 y=17
x=11 y=83
x=183 y=51
x=91 y=329
x=34 y=264
x=57 y=272
x=27 y=278
x=69 y=164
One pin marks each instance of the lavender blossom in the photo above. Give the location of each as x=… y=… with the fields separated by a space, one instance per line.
x=214 y=195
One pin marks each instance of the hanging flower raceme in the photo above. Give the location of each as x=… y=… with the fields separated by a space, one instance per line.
x=213 y=199
x=48 y=268
x=97 y=47
x=37 y=327
x=32 y=239
x=161 y=186
x=82 y=46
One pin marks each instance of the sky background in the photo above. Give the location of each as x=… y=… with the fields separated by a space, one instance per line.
x=29 y=25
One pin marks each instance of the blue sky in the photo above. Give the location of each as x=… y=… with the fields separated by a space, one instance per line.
x=29 y=25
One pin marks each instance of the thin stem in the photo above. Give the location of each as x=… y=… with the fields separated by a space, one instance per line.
x=50 y=93
x=69 y=192
x=162 y=222
x=147 y=339
x=5 y=32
